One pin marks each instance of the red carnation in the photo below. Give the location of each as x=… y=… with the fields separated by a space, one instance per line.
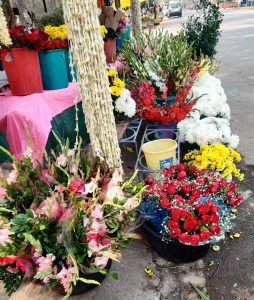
x=223 y=183
x=179 y=198
x=214 y=188
x=181 y=167
x=233 y=201
x=175 y=214
x=182 y=175
x=172 y=223
x=174 y=232
x=192 y=169
x=206 y=219
x=196 y=193
x=202 y=181
x=194 y=239
x=215 y=229
x=232 y=186
x=215 y=218
x=184 y=213
x=204 y=209
x=164 y=201
x=191 y=224
x=230 y=193
x=210 y=202
x=185 y=189
x=205 y=235
x=184 y=238
x=239 y=197
x=171 y=190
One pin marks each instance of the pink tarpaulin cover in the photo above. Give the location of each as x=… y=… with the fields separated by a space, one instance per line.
x=33 y=113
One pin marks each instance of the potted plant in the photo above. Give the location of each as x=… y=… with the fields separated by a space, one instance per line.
x=52 y=59
x=188 y=209
x=63 y=224
x=21 y=61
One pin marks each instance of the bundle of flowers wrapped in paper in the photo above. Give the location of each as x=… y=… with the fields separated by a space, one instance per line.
x=190 y=205
x=161 y=72
x=124 y=105
x=217 y=157
x=64 y=221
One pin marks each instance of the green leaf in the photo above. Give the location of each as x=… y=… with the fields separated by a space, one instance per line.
x=114 y=275
x=2 y=209
x=29 y=213
x=33 y=242
x=201 y=294
x=88 y=281
x=44 y=273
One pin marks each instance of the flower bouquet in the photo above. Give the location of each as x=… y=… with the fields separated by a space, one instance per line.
x=63 y=224
x=188 y=209
x=124 y=105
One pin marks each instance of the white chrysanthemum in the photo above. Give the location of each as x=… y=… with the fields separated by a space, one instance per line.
x=4 y=33
x=125 y=104
x=234 y=141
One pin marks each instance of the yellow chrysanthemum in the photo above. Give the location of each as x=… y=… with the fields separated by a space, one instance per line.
x=115 y=90
x=57 y=32
x=111 y=72
x=104 y=31
x=118 y=82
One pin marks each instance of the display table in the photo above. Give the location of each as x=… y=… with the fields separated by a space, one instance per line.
x=29 y=119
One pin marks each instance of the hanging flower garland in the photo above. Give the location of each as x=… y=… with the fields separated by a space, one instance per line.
x=5 y=39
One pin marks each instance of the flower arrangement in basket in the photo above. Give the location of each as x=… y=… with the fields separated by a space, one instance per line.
x=124 y=105
x=190 y=205
x=161 y=72
x=62 y=223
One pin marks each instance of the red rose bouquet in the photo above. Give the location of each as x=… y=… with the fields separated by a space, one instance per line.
x=191 y=205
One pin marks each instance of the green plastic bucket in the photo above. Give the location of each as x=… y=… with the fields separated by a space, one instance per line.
x=67 y=60
x=53 y=69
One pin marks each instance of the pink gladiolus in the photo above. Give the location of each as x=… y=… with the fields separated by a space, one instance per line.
x=99 y=227
x=4 y=235
x=85 y=221
x=62 y=160
x=51 y=208
x=77 y=185
x=66 y=277
x=3 y=193
x=100 y=261
x=91 y=186
x=12 y=177
x=66 y=216
x=28 y=152
x=97 y=212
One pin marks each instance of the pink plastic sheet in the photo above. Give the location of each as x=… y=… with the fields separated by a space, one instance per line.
x=33 y=114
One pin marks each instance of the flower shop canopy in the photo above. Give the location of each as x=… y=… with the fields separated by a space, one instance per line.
x=126 y=3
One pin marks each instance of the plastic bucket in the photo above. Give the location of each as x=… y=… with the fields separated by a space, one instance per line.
x=53 y=69
x=23 y=71
x=160 y=154
x=67 y=61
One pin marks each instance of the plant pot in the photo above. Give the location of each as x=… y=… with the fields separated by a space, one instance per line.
x=67 y=61
x=110 y=50
x=186 y=147
x=23 y=71
x=53 y=69
x=81 y=287
x=173 y=250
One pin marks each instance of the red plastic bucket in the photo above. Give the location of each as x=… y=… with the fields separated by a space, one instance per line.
x=23 y=71
x=110 y=50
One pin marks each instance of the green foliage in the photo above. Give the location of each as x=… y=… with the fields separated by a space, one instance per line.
x=203 y=31
x=11 y=280
x=54 y=18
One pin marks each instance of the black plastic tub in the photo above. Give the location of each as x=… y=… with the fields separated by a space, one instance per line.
x=173 y=250
x=82 y=288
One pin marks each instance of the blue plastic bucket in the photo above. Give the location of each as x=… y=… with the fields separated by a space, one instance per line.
x=53 y=69
x=67 y=60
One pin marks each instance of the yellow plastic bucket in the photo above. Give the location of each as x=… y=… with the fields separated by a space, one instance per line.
x=160 y=154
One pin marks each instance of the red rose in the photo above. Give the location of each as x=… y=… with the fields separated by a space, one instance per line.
x=194 y=239
x=181 y=167
x=215 y=209
x=184 y=238
x=214 y=188
x=167 y=173
x=164 y=202
x=215 y=218
x=182 y=175
x=202 y=181
x=150 y=180
x=192 y=169
x=206 y=219
x=205 y=235
x=210 y=202
x=191 y=224
x=174 y=232
x=175 y=214
x=204 y=209
x=172 y=223
x=239 y=197
x=179 y=198
x=185 y=189
x=171 y=190
x=215 y=229
x=223 y=183
x=184 y=213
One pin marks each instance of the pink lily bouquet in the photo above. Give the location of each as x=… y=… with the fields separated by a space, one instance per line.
x=63 y=221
